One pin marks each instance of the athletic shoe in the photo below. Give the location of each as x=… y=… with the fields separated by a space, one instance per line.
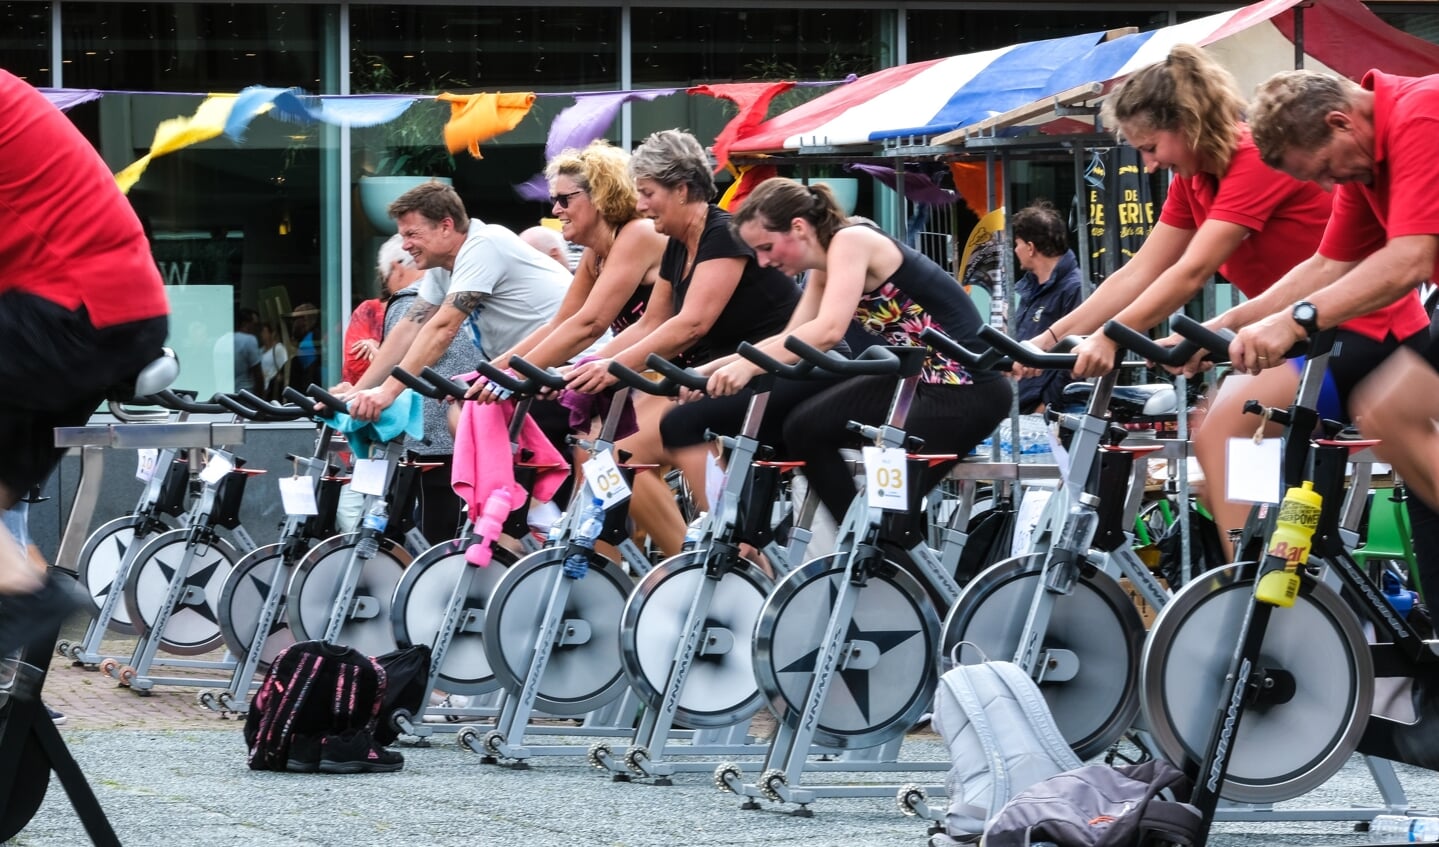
x=357 y=752
x=24 y=618
x=55 y=717
x=304 y=754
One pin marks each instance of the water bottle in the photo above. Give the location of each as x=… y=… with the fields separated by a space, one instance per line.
x=1400 y=598
x=694 y=532
x=592 y=523
x=372 y=526
x=1289 y=545
x=488 y=528
x=556 y=530
x=1399 y=829
x=1073 y=542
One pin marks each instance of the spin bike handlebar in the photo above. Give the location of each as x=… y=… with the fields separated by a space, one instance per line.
x=277 y=411
x=1026 y=355
x=1136 y=341
x=429 y=383
x=771 y=365
x=634 y=379
x=242 y=407
x=536 y=377
x=676 y=375
x=315 y=394
x=989 y=360
x=1215 y=341
x=874 y=361
x=170 y=400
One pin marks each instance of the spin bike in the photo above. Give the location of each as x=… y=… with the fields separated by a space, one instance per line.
x=1277 y=709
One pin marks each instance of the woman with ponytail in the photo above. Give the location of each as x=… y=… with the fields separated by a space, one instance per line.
x=857 y=272
x=1226 y=212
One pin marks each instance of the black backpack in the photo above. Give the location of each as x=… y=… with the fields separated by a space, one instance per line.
x=314 y=689
x=1099 y=806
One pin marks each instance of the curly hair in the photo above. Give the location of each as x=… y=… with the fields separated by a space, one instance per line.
x=777 y=201
x=602 y=172
x=1290 y=108
x=1041 y=225
x=673 y=158
x=1187 y=93
x=435 y=201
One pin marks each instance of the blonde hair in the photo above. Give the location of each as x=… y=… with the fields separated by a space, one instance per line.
x=1291 y=108
x=1188 y=93
x=602 y=172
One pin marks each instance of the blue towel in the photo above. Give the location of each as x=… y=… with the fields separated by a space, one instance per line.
x=405 y=416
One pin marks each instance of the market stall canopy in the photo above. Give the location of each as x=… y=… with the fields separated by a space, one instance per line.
x=941 y=96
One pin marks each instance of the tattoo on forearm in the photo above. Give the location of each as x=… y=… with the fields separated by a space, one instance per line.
x=466 y=301
x=421 y=311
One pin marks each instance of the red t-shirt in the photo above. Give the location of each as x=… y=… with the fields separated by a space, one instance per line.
x=367 y=321
x=1404 y=196
x=67 y=234
x=1285 y=217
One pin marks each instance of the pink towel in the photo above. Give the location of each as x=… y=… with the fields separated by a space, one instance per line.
x=484 y=463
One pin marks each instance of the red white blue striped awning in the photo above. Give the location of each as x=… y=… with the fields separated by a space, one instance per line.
x=941 y=95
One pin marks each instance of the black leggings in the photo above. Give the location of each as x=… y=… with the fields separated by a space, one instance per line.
x=950 y=419
x=685 y=425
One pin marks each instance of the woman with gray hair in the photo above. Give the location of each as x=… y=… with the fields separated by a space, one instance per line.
x=710 y=295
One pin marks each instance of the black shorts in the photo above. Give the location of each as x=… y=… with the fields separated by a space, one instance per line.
x=55 y=368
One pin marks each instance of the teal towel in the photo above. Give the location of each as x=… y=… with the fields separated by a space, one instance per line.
x=405 y=416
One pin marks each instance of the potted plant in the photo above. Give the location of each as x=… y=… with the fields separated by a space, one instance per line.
x=404 y=152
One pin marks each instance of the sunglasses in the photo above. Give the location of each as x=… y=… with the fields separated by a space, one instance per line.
x=563 y=200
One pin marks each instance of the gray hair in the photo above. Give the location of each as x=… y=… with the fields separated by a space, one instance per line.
x=392 y=254
x=673 y=158
x=1290 y=112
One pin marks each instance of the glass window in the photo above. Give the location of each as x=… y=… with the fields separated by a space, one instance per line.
x=25 y=41
x=1424 y=24
x=939 y=33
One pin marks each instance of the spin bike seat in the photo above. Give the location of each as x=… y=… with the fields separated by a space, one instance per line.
x=152 y=379
x=1155 y=405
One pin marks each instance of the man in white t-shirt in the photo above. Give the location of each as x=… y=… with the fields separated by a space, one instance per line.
x=479 y=276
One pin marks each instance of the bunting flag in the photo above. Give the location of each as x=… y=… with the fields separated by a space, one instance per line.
x=294 y=105
x=746 y=179
x=178 y=133
x=919 y=188
x=578 y=125
x=66 y=99
x=480 y=117
x=753 y=99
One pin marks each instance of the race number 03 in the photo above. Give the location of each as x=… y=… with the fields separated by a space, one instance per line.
x=886 y=478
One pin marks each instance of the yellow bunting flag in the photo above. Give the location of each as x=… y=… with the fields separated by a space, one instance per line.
x=480 y=117
x=178 y=133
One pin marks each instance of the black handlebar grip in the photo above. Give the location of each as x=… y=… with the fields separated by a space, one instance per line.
x=329 y=400
x=637 y=381
x=415 y=383
x=443 y=385
x=874 y=361
x=1132 y=339
x=990 y=359
x=772 y=365
x=682 y=377
x=541 y=377
x=1024 y=354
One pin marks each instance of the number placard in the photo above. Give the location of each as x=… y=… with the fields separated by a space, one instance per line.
x=370 y=476
x=297 y=495
x=215 y=469
x=605 y=480
x=145 y=464
x=885 y=478
x=1254 y=470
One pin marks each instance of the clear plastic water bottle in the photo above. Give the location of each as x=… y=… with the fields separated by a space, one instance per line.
x=1074 y=540
x=372 y=527
x=1400 y=829
x=553 y=536
x=695 y=531
x=592 y=523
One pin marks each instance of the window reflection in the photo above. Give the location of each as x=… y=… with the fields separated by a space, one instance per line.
x=25 y=41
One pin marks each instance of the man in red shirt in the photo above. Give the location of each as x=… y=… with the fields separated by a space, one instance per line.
x=1373 y=145
x=82 y=309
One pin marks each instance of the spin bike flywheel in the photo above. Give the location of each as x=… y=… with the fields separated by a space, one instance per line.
x=719 y=688
x=584 y=670
x=1294 y=737
x=243 y=597
x=194 y=624
x=1093 y=640
x=885 y=676
x=316 y=583
x=99 y=565
x=423 y=596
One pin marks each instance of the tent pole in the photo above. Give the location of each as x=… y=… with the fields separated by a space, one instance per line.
x=1081 y=205
x=1298 y=38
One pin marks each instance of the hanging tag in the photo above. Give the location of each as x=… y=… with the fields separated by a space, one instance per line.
x=884 y=478
x=297 y=495
x=145 y=465
x=215 y=469
x=370 y=476
x=1254 y=470
x=605 y=480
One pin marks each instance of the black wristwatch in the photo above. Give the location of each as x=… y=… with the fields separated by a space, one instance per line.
x=1306 y=316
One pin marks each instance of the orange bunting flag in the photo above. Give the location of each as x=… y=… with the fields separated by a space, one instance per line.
x=753 y=100
x=480 y=117
x=750 y=176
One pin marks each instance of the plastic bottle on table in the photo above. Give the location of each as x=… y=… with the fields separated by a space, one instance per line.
x=1400 y=829
x=372 y=528
x=592 y=523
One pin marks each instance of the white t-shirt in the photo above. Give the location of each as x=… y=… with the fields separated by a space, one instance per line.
x=272 y=360
x=522 y=286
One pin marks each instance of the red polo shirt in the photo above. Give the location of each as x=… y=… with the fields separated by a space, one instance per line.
x=67 y=234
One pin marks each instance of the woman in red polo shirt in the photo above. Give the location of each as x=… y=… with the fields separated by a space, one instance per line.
x=1226 y=212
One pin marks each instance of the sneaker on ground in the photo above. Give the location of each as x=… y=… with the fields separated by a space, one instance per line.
x=357 y=752
x=304 y=754
x=56 y=718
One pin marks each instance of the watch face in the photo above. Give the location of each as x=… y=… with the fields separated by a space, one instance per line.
x=1306 y=316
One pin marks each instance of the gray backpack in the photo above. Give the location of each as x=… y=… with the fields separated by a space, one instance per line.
x=1001 y=739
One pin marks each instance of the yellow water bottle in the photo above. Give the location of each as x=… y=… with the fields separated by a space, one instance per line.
x=1289 y=545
